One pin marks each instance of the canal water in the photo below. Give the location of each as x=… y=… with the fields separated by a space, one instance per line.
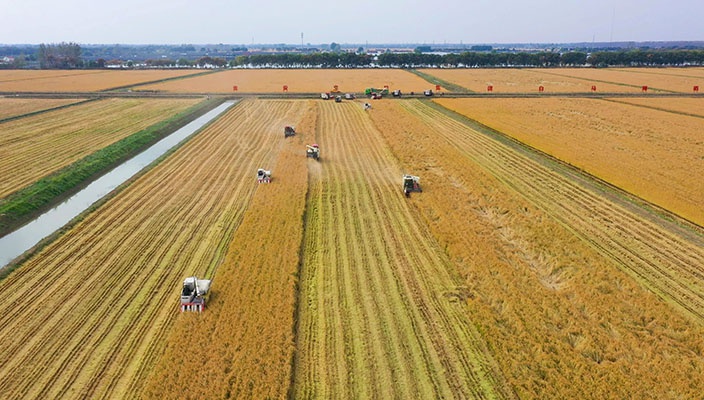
x=16 y=243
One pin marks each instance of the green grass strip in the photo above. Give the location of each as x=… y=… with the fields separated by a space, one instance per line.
x=437 y=81
x=25 y=204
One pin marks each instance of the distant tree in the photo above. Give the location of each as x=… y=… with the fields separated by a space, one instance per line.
x=335 y=47
x=63 y=55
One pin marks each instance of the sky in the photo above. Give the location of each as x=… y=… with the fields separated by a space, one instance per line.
x=348 y=22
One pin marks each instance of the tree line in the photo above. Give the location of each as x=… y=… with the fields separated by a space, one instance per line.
x=68 y=56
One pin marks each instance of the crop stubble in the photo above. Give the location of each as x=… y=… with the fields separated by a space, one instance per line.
x=34 y=147
x=374 y=320
x=654 y=154
x=244 y=341
x=561 y=319
x=89 y=313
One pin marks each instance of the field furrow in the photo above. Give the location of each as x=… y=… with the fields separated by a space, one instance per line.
x=640 y=245
x=101 y=295
x=373 y=319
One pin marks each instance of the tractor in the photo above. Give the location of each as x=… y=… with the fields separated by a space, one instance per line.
x=313 y=151
x=289 y=131
x=193 y=294
x=411 y=183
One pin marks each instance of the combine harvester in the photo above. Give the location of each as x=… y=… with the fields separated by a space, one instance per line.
x=411 y=183
x=289 y=131
x=313 y=151
x=263 y=176
x=193 y=294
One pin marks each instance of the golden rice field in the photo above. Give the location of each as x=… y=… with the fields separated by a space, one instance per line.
x=297 y=80
x=512 y=275
x=36 y=146
x=80 y=80
x=655 y=154
x=573 y=80
x=14 y=107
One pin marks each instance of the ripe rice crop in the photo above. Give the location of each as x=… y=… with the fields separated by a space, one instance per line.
x=653 y=154
x=297 y=80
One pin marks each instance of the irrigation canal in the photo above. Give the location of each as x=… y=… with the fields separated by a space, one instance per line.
x=23 y=239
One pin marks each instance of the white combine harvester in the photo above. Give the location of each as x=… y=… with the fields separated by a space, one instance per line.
x=411 y=183
x=263 y=176
x=313 y=151
x=193 y=294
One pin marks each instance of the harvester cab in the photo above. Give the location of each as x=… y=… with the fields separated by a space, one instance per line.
x=193 y=294
x=411 y=183
x=338 y=99
x=263 y=176
x=313 y=151
x=289 y=131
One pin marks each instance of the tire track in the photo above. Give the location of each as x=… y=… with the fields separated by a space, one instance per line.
x=393 y=334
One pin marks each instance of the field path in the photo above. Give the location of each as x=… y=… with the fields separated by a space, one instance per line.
x=89 y=314
x=377 y=318
x=667 y=259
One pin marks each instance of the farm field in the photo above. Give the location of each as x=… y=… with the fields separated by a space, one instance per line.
x=378 y=314
x=657 y=79
x=80 y=80
x=510 y=276
x=557 y=271
x=13 y=107
x=685 y=105
x=654 y=154
x=245 y=339
x=90 y=313
x=298 y=81
x=36 y=146
x=513 y=80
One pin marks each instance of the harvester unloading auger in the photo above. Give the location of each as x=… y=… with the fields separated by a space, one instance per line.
x=193 y=294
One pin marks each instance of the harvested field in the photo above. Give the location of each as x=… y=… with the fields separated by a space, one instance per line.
x=685 y=105
x=14 y=107
x=511 y=80
x=554 y=272
x=656 y=155
x=246 y=339
x=36 y=146
x=91 y=312
x=298 y=81
x=80 y=80
x=381 y=312
x=657 y=79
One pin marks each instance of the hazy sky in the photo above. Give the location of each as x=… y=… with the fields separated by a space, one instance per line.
x=351 y=21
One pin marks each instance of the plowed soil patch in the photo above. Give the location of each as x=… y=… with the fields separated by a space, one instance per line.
x=297 y=80
x=556 y=271
x=80 y=81
x=654 y=154
x=34 y=147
